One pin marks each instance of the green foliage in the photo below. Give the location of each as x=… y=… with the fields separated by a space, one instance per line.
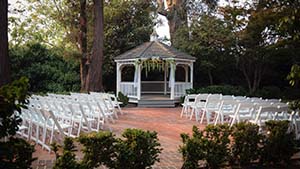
x=99 y=148
x=137 y=149
x=217 y=151
x=211 y=145
x=279 y=145
x=15 y=153
x=122 y=98
x=246 y=143
x=12 y=98
x=269 y=92
x=294 y=75
x=46 y=70
x=67 y=159
x=225 y=90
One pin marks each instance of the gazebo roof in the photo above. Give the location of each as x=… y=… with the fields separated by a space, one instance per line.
x=152 y=49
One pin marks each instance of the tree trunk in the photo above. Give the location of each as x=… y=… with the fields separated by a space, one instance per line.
x=84 y=66
x=176 y=14
x=94 y=78
x=4 y=58
x=211 y=81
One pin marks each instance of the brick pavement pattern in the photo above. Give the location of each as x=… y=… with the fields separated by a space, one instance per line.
x=165 y=121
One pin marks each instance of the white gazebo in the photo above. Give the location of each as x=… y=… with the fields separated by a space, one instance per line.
x=148 y=57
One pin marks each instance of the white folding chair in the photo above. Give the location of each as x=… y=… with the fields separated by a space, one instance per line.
x=189 y=100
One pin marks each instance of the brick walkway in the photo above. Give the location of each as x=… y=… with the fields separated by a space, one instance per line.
x=165 y=121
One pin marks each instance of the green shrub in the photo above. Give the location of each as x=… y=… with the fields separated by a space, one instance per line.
x=15 y=153
x=225 y=90
x=269 y=92
x=67 y=159
x=122 y=98
x=279 y=145
x=137 y=149
x=193 y=149
x=217 y=150
x=211 y=145
x=46 y=69
x=99 y=149
x=246 y=143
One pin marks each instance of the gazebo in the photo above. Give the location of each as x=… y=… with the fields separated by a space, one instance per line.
x=155 y=56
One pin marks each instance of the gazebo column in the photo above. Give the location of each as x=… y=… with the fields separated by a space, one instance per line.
x=172 y=81
x=192 y=73
x=165 y=80
x=186 y=70
x=119 y=73
x=139 y=69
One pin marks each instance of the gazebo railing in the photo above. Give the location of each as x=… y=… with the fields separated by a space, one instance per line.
x=128 y=89
x=180 y=88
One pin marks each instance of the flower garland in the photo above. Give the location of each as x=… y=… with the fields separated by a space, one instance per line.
x=155 y=63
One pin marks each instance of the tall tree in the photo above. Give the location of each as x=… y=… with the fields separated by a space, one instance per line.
x=94 y=76
x=178 y=12
x=91 y=64
x=4 y=58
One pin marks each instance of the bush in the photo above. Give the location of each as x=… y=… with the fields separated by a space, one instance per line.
x=46 y=69
x=246 y=144
x=269 y=92
x=137 y=150
x=15 y=153
x=225 y=90
x=122 y=98
x=67 y=160
x=279 y=145
x=212 y=145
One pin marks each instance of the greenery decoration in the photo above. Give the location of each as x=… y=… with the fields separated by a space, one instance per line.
x=155 y=63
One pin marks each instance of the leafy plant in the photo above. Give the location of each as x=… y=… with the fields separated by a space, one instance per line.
x=46 y=69
x=15 y=153
x=246 y=143
x=279 y=145
x=137 y=149
x=193 y=149
x=225 y=89
x=12 y=99
x=122 y=98
x=67 y=159
x=99 y=148
x=210 y=145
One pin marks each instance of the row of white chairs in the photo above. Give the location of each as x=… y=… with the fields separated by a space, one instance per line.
x=67 y=115
x=218 y=108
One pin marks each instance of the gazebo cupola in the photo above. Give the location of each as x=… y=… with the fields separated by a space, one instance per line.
x=150 y=56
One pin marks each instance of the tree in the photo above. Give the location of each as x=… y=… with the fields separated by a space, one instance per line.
x=4 y=58
x=69 y=25
x=178 y=12
x=209 y=40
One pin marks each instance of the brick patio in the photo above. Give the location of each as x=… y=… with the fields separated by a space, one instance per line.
x=165 y=121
